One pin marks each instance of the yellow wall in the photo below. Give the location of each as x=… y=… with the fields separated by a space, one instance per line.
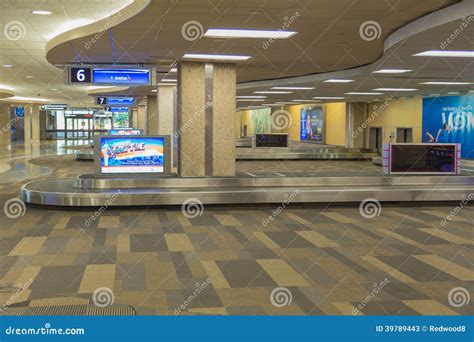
x=244 y=118
x=397 y=114
x=335 y=122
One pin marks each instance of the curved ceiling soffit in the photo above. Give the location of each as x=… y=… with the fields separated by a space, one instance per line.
x=103 y=91
x=446 y=15
x=5 y=94
x=97 y=27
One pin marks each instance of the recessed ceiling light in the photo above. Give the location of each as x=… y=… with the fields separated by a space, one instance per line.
x=446 y=83
x=285 y=103
x=363 y=93
x=238 y=33
x=250 y=97
x=338 y=81
x=154 y=90
x=216 y=57
x=41 y=12
x=271 y=104
x=29 y=76
x=328 y=98
x=293 y=88
x=174 y=70
x=249 y=100
x=395 y=89
x=7 y=65
x=445 y=53
x=169 y=80
x=272 y=92
x=306 y=101
x=169 y=84
x=391 y=71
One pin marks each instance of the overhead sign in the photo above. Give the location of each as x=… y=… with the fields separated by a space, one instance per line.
x=55 y=107
x=450 y=119
x=115 y=101
x=121 y=76
x=118 y=109
x=80 y=75
x=20 y=111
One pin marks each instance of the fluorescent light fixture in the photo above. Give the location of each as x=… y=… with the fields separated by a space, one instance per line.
x=272 y=92
x=446 y=83
x=169 y=80
x=41 y=12
x=250 y=97
x=391 y=71
x=328 y=98
x=271 y=104
x=338 y=81
x=22 y=98
x=362 y=93
x=174 y=70
x=395 y=89
x=7 y=65
x=239 y=33
x=445 y=53
x=5 y=87
x=285 y=103
x=53 y=89
x=29 y=76
x=249 y=100
x=312 y=101
x=170 y=84
x=154 y=90
x=216 y=57
x=293 y=88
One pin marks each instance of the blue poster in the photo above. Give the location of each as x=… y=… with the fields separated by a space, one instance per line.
x=312 y=124
x=121 y=76
x=450 y=120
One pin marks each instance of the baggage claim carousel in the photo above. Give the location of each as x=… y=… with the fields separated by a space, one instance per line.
x=92 y=190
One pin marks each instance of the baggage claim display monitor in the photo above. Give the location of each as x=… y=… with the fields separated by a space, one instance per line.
x=137 y=154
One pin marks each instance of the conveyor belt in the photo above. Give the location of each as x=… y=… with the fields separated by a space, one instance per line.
x=174 y=191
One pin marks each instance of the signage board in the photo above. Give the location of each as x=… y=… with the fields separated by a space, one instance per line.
x=450 y=119
x=133 y=154
x=114 y=76
x=55 y=107
x=270 y=140
x=405 y=159
x=313 y=125
x=115 y=100
x=80 y=75
x=125 y=131
x=20 y=111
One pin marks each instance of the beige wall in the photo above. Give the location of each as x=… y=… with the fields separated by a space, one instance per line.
x=5 y=128
x=403 y=113
x=152 y=115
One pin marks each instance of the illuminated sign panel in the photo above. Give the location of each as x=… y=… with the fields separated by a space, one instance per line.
x=121 y=76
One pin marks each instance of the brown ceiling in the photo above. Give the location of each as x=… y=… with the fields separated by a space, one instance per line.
x=328 y=34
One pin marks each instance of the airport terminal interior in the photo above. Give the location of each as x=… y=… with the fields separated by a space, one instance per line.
x=237 y=157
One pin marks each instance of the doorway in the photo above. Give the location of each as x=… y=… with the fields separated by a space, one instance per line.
x=79 y=128
x=375 y=138
x=404 y=135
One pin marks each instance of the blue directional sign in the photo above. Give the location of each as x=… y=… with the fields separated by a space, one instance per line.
x=120 y=101
x=121 y=76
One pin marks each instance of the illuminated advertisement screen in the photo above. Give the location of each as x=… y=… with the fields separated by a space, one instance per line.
x=312 y=125
x=125 y=131
x=132 y=155
x=120 y=101
x=121 y=76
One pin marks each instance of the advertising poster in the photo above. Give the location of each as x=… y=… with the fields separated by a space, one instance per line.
x=450 y=120
x=121 y=120
x=312 y=124
x=131 y=155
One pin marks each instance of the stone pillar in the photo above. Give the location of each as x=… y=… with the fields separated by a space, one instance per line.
x=152 y=115
x=5 y=125
x=206 y=119
x=141 y=122
x=166 y=110
x=32 y=123
x=356 y=127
